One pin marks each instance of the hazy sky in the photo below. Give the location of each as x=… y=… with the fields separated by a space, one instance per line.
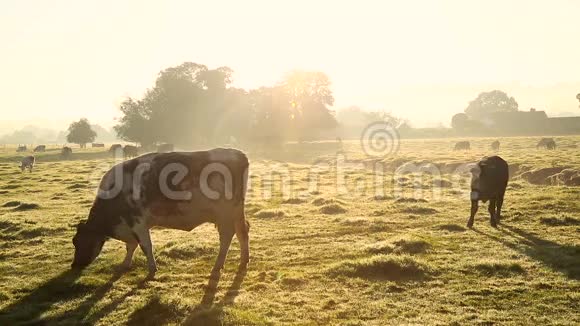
x=423 y=60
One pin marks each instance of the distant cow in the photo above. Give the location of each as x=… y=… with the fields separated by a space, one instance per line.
x=27 y=163
x=40 y=148
x=116 y=150
x=165 y=148
x=547 y=143
x=489 y=180
x=130 y=151
x=21 y=148
x=462 y=145
x=66 y=152
x=178 y=190
x=96 y=145
x=495 y=145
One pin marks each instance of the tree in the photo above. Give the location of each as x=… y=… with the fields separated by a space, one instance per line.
x=459 y=121
x=309 y=96
x=187 y=105
x=134 y=125
x=193 y=105
x=490 y=102
x=80 y=132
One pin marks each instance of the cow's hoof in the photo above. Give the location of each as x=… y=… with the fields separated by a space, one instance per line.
x=494 y=225
x=470 y=224
x=122 y=268
x=151 y=274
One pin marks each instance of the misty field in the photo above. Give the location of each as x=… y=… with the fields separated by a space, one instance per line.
x=331 y=243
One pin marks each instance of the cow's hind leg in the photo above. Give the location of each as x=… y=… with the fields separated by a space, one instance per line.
x=491 y=210
x=131 y=246
x=226 y=232
x=474 y=207
x=242 y=232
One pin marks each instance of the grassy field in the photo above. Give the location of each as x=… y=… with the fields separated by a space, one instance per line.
x=358 y=252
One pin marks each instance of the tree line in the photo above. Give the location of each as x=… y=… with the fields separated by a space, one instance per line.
x=191 y=105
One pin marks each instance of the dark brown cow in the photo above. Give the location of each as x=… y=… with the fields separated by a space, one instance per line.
x=462 y=145
x=179 y=190
x=39 y=148
x=488 y=182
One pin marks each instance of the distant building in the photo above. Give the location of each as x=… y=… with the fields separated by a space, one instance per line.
x=532 y=122
x=564 y=125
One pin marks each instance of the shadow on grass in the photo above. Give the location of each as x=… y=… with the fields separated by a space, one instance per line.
x=208 y=313
x=560 y=258
x=30 y=307
x=154 y=312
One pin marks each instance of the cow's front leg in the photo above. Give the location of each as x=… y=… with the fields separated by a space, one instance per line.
x=491 y=210
x=131 y=246
x=498 y=207
x=474 y=207
x=226 y=235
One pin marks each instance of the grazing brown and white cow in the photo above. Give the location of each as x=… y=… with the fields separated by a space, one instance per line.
x=27 y=163
x=488 y=182
x=547 y=143
x=178 y=190
x=462 y=145
x=40 y=148
x=130 y=151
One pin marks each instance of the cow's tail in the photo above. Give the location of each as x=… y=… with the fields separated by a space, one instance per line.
x=242 y=226
x=241 y=182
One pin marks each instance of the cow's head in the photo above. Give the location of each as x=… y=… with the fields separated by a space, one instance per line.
x=88 y=245
x=475 y=181
x=475 y=176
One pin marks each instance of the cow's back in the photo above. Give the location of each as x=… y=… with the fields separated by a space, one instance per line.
x=166 y=188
